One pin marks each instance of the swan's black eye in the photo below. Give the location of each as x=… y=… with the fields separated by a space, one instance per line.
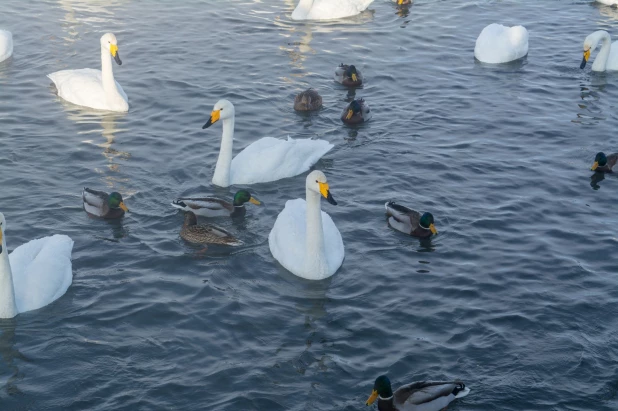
x=317 y=181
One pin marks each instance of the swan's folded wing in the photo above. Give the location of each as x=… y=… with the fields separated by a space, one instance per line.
x=81 y=87
x=287 y=237
x=272 y=159
x=42 y=271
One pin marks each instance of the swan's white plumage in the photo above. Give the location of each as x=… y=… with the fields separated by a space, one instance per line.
x=271 y=159
x=607 y=58
x=287 y=240
x=328 y=9
x=6 y=44
x=42 y=271
x=94 y=88
x=83 y=87
x=501 y=44
x=267 y=159
x=608 y=2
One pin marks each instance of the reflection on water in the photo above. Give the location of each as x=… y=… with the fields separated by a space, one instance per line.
x=595 y=179
x=9 y=353
x=86 y=13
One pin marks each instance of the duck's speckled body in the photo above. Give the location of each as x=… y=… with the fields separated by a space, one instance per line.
x=409 y=221
x=205 y=234
x=308 y=100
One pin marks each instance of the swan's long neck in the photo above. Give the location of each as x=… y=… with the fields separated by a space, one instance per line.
x=107 y=76
x=315 y=254
x=224 y=163
x=302 y=10
x=8 y=308
x=606 y=46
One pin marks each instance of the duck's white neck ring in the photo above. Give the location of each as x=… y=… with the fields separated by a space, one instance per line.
x=385 y=399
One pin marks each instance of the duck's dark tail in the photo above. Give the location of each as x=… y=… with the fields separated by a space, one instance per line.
x=461 y=390
x=179 y=204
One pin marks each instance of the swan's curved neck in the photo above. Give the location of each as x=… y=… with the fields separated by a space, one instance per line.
x=601 y=61
x=107 y=76
x=224 y=163
x=8 y=308
x=302 y=10
x=315 y=253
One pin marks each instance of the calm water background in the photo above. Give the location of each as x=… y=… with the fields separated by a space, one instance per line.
x=518 y=294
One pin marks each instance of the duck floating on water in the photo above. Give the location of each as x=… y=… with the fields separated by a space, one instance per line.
x=216 y=207
x=308 y=100
x=603 y=163
x=348 y=75
x=103 y=205
x=205 y=233
x=409 y=221
x=357 y=112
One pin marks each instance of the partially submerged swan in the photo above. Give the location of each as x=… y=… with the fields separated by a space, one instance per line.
x=328 y=9
x=94 y=88
x=6 y=45
x=501 y=44
x=267 y=159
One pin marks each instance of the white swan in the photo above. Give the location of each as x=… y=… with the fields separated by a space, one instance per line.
x=501 y=44
x=268 y=159
x=35 y=274
x=608 y=2
x=94 y=88
x=607 y=59
x=304 y=239
x=6 y=45
x=328 y=9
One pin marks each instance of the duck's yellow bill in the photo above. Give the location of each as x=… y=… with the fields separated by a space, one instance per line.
x=400 y=2
x=349 y=115
x=124 y=207
x=433 y=229
x=354 y=78
x=594 y=166
x=113 y=49
x=254 y=201
x=372 y=398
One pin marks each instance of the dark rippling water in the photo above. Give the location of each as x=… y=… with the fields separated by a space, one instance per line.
x=518 y=295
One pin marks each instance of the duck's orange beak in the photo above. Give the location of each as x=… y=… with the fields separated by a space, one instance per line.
x=372 y=398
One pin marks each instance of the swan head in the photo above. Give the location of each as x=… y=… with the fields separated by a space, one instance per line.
x=427 y=223
x=109 y=43
x=590 y=43
x=2 y=228
x=115 y=201
x=221 y=111
x=382 y=388
x=244 y=196
x=600 y=160
x=316 y=182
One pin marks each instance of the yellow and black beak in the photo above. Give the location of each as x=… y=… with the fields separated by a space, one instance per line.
x=372 y=398
x=594 y=166
x=585 y=59
x=433 y=229
x=124 y=207
x=254 y=201
x=354 y=78
x=114 y=50
x=350 y=114
x=214 y=117
x=325 y=191
x=0 y=240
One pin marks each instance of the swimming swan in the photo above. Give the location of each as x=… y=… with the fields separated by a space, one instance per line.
x=6 y=45
x=35 y=274
x=607 y=59
x=94 y=88
x=304 y=239
x=328 y=9
x=501 y=44
x=268 y=159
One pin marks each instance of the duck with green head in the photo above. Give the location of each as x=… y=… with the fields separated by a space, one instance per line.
x=216 y=207
x=603 y=163
x=348 y=75
x=409 y=221
x=417 y=396
x=103 y=205
x=356 y=112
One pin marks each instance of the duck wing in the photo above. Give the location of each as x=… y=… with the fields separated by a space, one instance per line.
x=424 y=392
x=207 y=206
x=95 y=202
x=611 y=160
x=209 y=234
x=402 y=218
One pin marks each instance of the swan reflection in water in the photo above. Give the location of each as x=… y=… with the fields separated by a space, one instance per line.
x=8 y=354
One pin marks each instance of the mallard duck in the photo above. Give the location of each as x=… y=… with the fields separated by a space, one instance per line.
x=205 y=234
x=215 y=207
x=101 y=204
x=356 y=112
x=349 y=76
x=417 y=396
x=308 y=100
x=304 y=239
x=35 y=274
x=603 y=163
x=264 y=160
x=409 y=221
